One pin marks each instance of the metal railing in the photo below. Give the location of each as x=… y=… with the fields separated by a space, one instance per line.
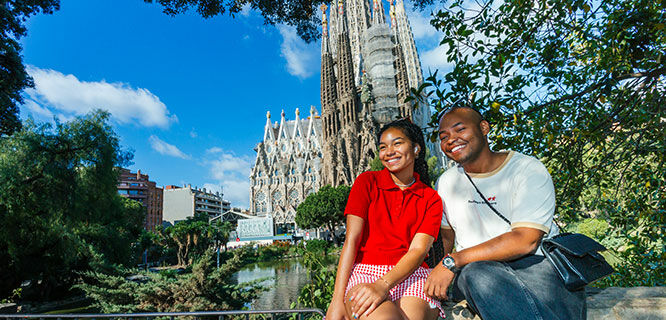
x=171 y=315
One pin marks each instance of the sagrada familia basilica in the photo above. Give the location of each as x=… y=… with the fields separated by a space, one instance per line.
x=368 y=65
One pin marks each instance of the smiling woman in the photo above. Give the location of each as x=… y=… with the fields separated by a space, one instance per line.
x=376 y=268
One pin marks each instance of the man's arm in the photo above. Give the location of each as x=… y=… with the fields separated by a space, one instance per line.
x=512 y=245
x=448 y=239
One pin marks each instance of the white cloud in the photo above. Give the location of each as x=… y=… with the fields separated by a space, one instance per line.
x=214 y=150
x=68 y=96
x=435 y=59
x=232 y=173
x=193 y=134
x=299 y=55
x=421 y=27
x=166 y=149
x=246 y=10
x=38 y=110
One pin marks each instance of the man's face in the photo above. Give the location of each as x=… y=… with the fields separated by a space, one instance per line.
x=462 y=135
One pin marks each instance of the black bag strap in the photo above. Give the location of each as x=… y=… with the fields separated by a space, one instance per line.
x=491 y=206
x=484 y=198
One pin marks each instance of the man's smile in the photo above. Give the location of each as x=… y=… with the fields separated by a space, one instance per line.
x=457 y=148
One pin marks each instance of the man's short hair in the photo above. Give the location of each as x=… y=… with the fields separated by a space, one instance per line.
x=461 y=103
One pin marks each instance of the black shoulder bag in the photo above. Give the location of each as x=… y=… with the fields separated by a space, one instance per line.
x=574 y=256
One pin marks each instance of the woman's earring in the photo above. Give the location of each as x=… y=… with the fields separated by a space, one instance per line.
x=416 y=150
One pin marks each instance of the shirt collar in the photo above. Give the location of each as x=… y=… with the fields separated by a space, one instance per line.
x=384 y=181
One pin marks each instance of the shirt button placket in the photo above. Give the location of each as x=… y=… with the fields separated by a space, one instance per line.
x=402 y=198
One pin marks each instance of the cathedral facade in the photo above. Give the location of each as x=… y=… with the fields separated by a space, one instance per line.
x=287 y=167
x=368 y=65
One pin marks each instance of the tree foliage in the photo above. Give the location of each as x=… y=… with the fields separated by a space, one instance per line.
x=13 y=14
x=298 y=13
x=194 y=236
x=323 y=208
x=59 y=205
x=206 y=288
x=319 y=292
x=580 y=85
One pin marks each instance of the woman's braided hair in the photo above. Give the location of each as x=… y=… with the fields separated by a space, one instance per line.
x=415 y=135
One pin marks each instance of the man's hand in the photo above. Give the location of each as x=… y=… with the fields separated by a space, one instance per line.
x=438 y=281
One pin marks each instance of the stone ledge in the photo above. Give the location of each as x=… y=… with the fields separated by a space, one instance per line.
x=639 y=303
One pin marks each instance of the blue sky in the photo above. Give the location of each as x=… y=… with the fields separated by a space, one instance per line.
x=188 y=95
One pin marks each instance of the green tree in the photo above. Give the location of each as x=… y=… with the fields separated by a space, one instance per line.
x=13 y=14
x=323 y=208
x=59 y=204
x=222 y=231
x=192 y=236
x=580 y=85
x=319 y=292
x=376 y=164
x=206 y=288
x=301 y=14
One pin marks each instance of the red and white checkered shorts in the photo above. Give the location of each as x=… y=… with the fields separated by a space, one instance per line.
x=412 y=286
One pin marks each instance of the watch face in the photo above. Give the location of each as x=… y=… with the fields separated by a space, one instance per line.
x=448 y=262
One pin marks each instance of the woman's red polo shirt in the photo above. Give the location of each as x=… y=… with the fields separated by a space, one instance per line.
x=392 y=216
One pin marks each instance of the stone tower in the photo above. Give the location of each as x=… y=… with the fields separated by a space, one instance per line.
x=366 y=73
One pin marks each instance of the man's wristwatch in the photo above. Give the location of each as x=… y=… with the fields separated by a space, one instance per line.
x=450 y=264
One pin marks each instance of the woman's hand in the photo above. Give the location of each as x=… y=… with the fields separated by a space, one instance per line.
x=336 y=311
x=365 y=297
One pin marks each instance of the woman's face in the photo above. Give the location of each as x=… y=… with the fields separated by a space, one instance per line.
x=396 y=151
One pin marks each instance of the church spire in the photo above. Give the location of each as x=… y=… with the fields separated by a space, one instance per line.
x=342 y=20
x=329 y=94
x=394 y=27
x=345 y=75
x=378 y=12
x=401 y=74
x=411 y=56
x=324 y=30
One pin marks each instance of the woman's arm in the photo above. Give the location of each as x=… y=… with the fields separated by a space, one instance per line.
x=369 y=296
x=336 y=310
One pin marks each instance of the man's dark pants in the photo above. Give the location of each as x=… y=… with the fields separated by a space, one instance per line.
x=526 y=288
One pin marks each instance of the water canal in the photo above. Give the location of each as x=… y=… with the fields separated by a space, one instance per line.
x=285 y=280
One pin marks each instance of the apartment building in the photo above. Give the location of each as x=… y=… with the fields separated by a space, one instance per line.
x=182 y=202
x=138 y=187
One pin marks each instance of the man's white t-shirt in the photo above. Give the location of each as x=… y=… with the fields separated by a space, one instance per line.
x=521 y=189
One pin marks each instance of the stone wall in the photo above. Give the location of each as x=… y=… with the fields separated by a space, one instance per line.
x=639 y=303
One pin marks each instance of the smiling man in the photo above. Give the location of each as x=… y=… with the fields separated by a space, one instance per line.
x=497 y=208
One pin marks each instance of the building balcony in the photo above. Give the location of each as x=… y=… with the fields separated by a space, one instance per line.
x=208 y=210
x=211 y=204
x=127 y=186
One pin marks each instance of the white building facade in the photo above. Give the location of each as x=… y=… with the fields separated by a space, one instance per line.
x=286 y=169
x=182 y=202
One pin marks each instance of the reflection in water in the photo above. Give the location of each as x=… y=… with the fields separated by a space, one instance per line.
x=287 y=277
